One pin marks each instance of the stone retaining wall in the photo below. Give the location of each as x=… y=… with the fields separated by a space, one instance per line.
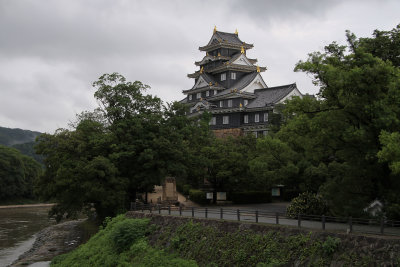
x=385 y=250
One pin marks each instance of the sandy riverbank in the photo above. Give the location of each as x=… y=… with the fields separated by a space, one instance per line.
x=52 y=241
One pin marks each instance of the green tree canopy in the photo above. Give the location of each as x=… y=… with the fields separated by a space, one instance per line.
x=127 y=145
x=17 y=174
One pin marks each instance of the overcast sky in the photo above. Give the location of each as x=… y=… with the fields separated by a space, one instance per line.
x=52 y=51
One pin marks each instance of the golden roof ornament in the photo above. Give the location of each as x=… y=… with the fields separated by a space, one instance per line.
x=236 y=32
x=258 y=68
x=240 y=105
x=201 y=70
x=206 y=53
x=219 y=54
x=210 y=84
x=242 y=50
x=215 y=29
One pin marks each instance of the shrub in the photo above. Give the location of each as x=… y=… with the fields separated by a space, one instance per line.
x=186 y=189
x=127 y=232
x=308 y=204
x=198 y=196
x=250 y=197
x=330 y=245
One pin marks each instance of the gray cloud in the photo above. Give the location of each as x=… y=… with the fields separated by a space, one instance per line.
x=51 y=51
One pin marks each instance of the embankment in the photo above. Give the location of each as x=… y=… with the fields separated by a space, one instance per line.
x=229 y=243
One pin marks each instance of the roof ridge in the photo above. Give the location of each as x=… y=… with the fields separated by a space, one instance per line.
x=276 y=87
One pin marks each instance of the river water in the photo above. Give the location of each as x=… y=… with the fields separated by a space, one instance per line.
x=17 y=229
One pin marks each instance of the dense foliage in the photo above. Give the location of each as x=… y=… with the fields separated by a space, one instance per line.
x=127 y=145
x=121 y=243
x=17 y=174
x=307 y=203
x=343 y=144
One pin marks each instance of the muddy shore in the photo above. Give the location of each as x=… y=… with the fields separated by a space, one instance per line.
x=52 y=241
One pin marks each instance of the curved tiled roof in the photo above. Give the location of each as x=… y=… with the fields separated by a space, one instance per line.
x=229 y=37
x=271 y=95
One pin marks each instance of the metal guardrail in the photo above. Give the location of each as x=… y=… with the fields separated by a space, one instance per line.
x=329 y=223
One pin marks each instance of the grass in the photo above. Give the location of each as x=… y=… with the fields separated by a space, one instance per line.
x=121 y=242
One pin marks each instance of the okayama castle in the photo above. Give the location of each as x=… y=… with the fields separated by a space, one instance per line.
x=229 y=85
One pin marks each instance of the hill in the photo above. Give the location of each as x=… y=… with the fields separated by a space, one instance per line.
x=10 y=137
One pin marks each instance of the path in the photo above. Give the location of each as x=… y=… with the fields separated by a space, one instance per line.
x=266 y=216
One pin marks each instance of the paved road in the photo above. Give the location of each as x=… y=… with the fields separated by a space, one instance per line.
x=250 y=214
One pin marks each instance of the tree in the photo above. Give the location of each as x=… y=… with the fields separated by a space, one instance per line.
x=127 y=145
x=79 y=175
x=226 y=164
x=17 y=174
x=359 y=98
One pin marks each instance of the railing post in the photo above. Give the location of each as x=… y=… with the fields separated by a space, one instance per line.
x=277 y=218
x=180 y=210
x=169 y=210
x=299 y=220
x=221 y=214
x=150 y=209
x=141 y=205
x=256 y=216
x=350 y=224
x=134 y=206
x=159 y=209
x=238 y=214
x=206 y=213
x=382 y=225
x=192 y=212
x=323 y=222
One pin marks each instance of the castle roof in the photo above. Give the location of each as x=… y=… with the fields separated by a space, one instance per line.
x=271 y=95
x=225 y=39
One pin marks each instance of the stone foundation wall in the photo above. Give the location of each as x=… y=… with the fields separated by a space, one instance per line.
x=382 y=250
x=223 y=133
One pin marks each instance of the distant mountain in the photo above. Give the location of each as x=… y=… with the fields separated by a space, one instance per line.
x=10 y=137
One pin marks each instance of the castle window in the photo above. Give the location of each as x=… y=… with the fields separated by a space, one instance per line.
x=246 y=118
x=233 y=75
x=256 y=117
x=198 y=95
x=225 y=120
x=215 y=92
x=245 y=102
x=266 y=116
x=221 y=104
x=229 y=103
x=223 y=76
x=190 y=97
x=207 y=93
x=213 y=121
x=265 y=133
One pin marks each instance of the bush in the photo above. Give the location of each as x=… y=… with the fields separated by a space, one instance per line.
x=186 y=189
x=250 y=197
x=330 y=245
x=307 y=204
x=198 y=196
x=127 y=232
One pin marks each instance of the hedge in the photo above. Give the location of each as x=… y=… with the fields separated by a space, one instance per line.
x=198 y=196
x=250 y=197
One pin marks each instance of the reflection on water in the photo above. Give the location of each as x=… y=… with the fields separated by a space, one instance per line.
x=17 y=227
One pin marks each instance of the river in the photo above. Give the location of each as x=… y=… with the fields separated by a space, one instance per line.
x=18 y=226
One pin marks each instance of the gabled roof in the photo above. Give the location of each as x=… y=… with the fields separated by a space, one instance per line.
x=242 y=83
x=225 y=39
x=271 y=95
x=229 y=37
